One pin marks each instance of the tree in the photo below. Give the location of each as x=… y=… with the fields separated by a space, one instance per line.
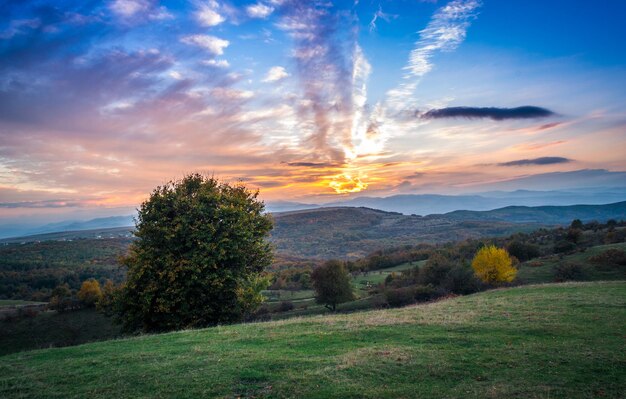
x=201 y=245
x=331 y=282
x=493 y=265
x=576 y=224
x=523 y=251
x=61 y=298
x=90 y=292
x=106 y=303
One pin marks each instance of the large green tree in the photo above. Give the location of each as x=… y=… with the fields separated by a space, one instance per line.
x=201 y=246
x=331 y=282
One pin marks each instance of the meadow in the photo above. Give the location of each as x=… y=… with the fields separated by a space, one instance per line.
x=554 y=340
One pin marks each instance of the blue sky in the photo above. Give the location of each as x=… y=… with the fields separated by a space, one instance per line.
x=100 y=101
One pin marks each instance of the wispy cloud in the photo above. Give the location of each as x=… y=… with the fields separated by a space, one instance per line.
x=445 y=32
x=498 y=114
x=275 y=74
x=208 y=14
x=536 y=161
x=212 y=44
x=259 y=10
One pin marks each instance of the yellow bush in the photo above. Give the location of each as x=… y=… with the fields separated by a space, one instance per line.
x=493 y=265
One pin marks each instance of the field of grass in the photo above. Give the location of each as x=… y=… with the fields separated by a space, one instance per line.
x=52 y=329
x=542 y=270
x=17 y=302
x=561 y=340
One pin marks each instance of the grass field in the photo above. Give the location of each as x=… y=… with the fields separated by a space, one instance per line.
x=542 y=270
x=52 y=329
x=549 y=341
x=17 y=302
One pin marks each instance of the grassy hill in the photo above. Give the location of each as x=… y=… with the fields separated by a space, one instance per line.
x=557 y=340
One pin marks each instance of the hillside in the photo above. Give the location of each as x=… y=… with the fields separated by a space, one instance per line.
x=557 y=341
x=353 y=232
x=546 y=214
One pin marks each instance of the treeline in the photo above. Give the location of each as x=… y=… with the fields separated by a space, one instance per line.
x=32 y=271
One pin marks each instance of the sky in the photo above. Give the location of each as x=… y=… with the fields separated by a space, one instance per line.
x=311 y=101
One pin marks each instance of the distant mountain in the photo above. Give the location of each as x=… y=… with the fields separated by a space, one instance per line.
x=576 y=179
x=426 y=204
x=286 y=206
x=72 y=225
x=545 y=214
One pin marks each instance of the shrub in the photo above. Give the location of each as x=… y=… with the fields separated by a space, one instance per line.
x=568 y=272
x=523 y=251
x=563 y=246
x=285 y=306
x=461 y=280
x=400 y=296
x=434 y=271
x=424 y=293
x=493 y=265
x=609 y=258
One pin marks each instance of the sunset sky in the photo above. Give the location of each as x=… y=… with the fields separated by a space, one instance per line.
x=101 y=101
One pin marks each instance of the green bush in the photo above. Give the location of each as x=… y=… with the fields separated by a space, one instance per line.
x=400 y=296
x=569 y=272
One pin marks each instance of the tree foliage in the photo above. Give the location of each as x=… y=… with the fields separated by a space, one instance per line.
x=201 y=245
x=493 y=265
x=90 y=292
x=331 y=282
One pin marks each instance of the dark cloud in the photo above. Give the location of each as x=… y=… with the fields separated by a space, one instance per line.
x=536 y=161
x=497 y=114
x=314 y=164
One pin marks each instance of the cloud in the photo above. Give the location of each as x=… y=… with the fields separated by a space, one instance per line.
x=332 y=72
x=128 y=8
x=379 y=14
x=536 y=161
x=217 y=63
x=212 y=44
x=207 y=14
x=275 y=74
x=314 y=164
x=445 y=32
x=259 y=10
x=494 y=113
x=143 y=8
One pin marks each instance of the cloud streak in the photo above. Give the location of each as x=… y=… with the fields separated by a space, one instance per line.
x=537 y=161
x=497 y=114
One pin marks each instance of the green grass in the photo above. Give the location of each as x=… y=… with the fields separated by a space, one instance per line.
x=542 y=270
x=52 y=329
x=17 y=302
x=547 y=341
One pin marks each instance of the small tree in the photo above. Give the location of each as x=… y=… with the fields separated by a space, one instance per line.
x=201 y=244
x=61 y=298
x=90 y=292
x=331 y=282
x=493 y=265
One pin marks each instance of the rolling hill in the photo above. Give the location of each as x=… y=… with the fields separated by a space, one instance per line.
x=554 y=340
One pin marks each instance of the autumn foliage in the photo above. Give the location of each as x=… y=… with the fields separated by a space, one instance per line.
x=493 y=265
x=90 y=292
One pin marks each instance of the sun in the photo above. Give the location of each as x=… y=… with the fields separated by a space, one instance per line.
x=346 y=183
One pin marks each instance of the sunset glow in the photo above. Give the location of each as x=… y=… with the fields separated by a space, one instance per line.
x=306 y=101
